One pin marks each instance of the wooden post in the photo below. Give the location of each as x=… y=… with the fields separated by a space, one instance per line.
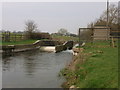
x=79 y=39
x=92 y=35
x=20 y=37
x=9 y=36
x=113 y=43
x=15 y=37
x=107 y=13
x=107 y=19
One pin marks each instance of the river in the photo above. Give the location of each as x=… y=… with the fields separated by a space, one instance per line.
x=34 y=69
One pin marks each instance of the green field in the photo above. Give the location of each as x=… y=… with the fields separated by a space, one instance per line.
x=17 y=42
x=99 y=69
x=64 y=38
x=20 y=41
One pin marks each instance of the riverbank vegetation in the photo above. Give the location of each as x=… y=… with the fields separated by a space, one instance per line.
x=96 y=67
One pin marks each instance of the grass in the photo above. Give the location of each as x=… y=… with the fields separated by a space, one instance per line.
x=17 y=42
x=64 y=38
x=99 y=70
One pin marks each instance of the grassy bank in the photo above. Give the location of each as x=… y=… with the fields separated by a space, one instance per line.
x=17 y=42
x=98 y=69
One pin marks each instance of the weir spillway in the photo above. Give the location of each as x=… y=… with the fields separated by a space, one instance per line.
x=47 y=45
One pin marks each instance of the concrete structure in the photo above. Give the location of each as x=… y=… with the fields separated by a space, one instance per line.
x=49 y=46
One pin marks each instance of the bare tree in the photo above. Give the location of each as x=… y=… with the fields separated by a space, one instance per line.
x=30 y=28
x=113 y=14
x=113 y=21
x=113 y=17
x=90 y=25
x=119 y=14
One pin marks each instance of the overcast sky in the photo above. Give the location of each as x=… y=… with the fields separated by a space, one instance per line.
x=50 y=16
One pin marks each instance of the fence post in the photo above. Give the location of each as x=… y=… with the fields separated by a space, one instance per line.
x=79 y=38
x=7 y=36
x=15 y=37
x=20 y=36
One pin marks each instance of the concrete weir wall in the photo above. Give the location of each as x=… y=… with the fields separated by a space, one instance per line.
x=65 y=46
x=59 y=48
x=45 y=45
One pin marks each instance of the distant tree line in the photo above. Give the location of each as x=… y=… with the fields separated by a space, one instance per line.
x=64 y=32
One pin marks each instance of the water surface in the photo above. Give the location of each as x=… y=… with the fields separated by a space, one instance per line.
x=34 y=69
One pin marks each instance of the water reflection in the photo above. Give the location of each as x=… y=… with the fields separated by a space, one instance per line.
x=34 y=69
x=29 y=65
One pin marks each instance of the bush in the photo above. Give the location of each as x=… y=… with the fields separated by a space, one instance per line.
x=37 y=35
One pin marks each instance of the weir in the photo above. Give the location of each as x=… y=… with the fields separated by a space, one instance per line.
x=52 y=46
